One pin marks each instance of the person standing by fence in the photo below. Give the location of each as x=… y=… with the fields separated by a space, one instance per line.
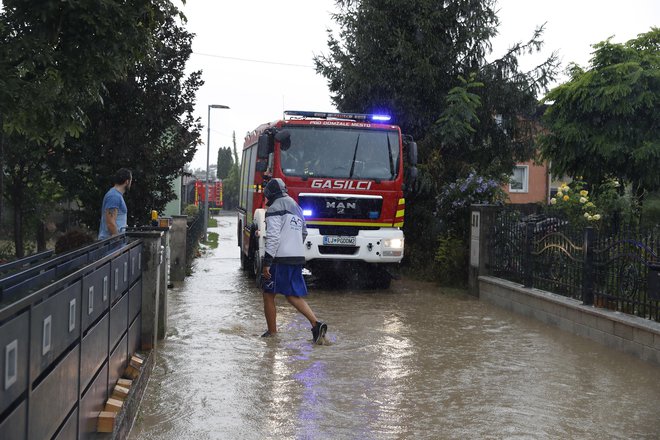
x=114 y=213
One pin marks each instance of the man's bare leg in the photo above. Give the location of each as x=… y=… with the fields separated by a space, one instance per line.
x=270 y=312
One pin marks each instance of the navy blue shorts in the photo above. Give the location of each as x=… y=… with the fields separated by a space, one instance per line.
x=286 y=279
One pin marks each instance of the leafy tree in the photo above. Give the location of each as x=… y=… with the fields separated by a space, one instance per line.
x=604 y=122
x=425 y=62
x=225 y=162
x=56 y=58
x=145 y=123
x=230 y=185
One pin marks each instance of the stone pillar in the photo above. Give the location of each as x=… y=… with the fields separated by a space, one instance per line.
x=164 y=283
x=481 y=219
x=152 y=262
x=178 y=234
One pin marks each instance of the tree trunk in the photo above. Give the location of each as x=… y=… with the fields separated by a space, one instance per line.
x=18 y=224
x=2 y=173
x=639 y=194
x=41 y=236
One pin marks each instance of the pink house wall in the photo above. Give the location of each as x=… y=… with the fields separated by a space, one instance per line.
x=537 y=185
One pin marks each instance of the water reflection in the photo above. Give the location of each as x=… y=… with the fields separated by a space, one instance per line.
x=410 y=362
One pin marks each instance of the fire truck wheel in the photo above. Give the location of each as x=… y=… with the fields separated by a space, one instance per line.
x=245 y=263
x=380 y=279
x=383 y=281
x=256 y=264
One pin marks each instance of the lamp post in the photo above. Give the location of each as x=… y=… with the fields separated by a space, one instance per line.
x=206 y=185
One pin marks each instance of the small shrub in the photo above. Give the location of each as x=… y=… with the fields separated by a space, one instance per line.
x=73 y=239
x=573 y=202
x=191 y=210
x=651 y=212
x=450 y=258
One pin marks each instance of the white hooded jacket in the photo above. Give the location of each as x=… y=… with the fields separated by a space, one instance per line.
x=285 y=227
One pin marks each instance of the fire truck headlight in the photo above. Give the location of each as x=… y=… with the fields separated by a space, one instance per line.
x=393 y=243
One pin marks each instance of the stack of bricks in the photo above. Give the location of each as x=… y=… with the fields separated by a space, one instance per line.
x=107 y=417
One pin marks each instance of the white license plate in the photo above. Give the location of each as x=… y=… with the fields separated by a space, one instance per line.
x=338 y=240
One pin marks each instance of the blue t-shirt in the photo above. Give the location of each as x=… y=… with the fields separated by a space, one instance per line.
x=113 y=200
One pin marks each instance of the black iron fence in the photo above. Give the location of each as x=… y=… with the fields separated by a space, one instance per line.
x=194 y=233
x=617 y=269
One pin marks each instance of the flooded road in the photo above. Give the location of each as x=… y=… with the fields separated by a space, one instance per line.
x=411 y=362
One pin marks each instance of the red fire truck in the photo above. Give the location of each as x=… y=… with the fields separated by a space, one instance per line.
x=215 y=193
x=346 y=171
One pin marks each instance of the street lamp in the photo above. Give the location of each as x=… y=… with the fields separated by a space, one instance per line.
x=206 y=186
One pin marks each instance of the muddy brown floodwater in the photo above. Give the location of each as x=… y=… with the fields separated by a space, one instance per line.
x=411 y=362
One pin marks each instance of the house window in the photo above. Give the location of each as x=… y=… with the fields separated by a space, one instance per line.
x=519 y=179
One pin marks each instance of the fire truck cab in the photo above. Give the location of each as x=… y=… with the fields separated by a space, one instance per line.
x=346 y=171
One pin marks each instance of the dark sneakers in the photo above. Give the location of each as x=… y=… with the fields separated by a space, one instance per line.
x=266 y=334
x=318 y=332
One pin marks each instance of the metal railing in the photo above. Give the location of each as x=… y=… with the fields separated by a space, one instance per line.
x=617 y=269
x=68 y=325
x=194 y=233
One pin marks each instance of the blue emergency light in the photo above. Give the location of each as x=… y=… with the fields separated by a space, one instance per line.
x=348 y=116
x=307 y=212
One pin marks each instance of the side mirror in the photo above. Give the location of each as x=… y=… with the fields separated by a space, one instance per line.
x=284 y=138
x=412 y=153
x=413 y=172
x=265 y=146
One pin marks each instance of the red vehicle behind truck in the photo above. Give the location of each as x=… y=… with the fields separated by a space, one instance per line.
x=346 y=171
x=215 y=193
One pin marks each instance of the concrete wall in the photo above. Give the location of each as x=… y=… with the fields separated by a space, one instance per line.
x=174 y=206
x=630 y=334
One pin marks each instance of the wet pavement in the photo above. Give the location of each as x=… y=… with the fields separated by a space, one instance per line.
x=411 y=362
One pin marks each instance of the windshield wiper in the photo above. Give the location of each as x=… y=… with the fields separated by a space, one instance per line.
x=389 y=151
x=350 y=174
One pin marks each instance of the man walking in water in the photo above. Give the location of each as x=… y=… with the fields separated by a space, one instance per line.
x=285 y=258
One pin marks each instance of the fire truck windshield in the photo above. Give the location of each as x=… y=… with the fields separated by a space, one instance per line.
x=341 y=153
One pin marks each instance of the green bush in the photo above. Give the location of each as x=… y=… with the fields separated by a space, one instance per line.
x=573 y=201
x=191 y=210
x=651 y=211
x=451 y=260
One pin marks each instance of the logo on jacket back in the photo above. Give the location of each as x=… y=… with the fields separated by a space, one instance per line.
x=296 y=223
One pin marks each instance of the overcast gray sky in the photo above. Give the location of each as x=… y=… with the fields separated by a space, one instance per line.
x=232 y=37
x=256 y=55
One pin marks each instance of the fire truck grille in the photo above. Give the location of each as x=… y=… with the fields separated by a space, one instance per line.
x=338 y=250
x=358 y=208
x=344 y=230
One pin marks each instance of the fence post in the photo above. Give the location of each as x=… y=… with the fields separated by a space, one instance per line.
x=178 y=247
x=588 y=269
x=481 y=220
x=152 y=265
x=163 y=284
x=528 y=266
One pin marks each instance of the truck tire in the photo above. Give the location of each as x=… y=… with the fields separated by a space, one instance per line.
x=257 y=265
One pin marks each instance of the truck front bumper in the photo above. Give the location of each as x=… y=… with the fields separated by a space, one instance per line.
x=384 y=245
